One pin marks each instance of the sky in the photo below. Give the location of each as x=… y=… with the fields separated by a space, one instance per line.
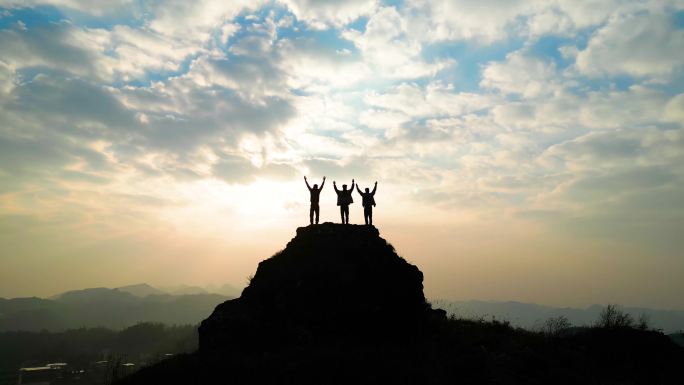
x=524 y=150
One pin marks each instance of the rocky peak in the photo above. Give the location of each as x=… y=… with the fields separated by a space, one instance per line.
x=331 y=281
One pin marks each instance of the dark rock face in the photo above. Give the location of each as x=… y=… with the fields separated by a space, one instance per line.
x=331 y=282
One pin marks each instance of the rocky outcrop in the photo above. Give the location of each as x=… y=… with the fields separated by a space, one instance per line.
x=331 y=282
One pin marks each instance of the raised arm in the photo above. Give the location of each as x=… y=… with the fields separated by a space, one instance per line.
x=322 y=184
x=307 y=184
x=374 y=188
x=358 y=189
x=352 y=186
x=335 y=187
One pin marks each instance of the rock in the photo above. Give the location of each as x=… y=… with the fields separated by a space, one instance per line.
x=331 y=282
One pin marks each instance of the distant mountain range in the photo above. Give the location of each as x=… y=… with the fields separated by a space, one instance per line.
x=531 y=316
x=127 y=305
x=111 y=308
x=143 y=290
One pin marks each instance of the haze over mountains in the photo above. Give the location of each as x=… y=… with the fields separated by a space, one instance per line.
x=111 y=308
x=143 y=290
x=127 y=305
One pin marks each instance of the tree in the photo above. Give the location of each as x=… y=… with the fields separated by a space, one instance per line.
x=554 y=326
x=612 y=317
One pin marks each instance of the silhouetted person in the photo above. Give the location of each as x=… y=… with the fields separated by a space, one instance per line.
x=368 y=201
x=344 y=199
x=315 y=194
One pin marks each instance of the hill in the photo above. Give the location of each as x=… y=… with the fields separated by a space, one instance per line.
x=141 y=290
x=339 y=306
x=103 y=307
x=330 y=281
x=140 y=344
x=532 y=316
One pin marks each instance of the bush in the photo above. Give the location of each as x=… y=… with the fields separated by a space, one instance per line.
x=644 y=322
x=555 y=326
x=613 y=318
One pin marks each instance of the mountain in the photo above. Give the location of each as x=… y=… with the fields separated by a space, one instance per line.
x=225 y=289
x=111 y=308
x=331 y=281
x=185 y=289
x=338 y=306
x=141 y=290
x=95 y=296
x=531 y=316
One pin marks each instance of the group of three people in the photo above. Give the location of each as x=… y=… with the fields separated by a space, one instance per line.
x=344 y=199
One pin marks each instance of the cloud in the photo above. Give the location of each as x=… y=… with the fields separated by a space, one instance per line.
x=155 y=129
x=234 y=169
x=390 y=50
x=492 y=21
x=643 y=45
x=71 y=105
x=120 y=54
x=137 y=52
x=341 y=170
x=56 y=45
x=463 y=20
x=605 y=187
x=194 y=21
x=674 y=110
x=238 y=170
x=252 y=77
x=7 y=79
x=317 y=66
x=434 y=100
x=614 y=150
x=93 y=7
x=321 y=14
x=210 y=115
x=571 y=112
x=523 y=75
x=22 y=159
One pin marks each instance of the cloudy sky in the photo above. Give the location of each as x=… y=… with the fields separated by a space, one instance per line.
x=525 y=150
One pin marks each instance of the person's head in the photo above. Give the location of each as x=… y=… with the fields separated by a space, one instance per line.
x=344 y=187
x=367 y=190
x=315 y=186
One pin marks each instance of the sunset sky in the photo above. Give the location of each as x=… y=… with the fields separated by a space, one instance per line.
x=524 y=150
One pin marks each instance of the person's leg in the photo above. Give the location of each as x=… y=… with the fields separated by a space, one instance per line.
x=342 y=213
x=365 y=215
x=317 y=211
x=346 y=215
x=370 y=215
x=311 y=213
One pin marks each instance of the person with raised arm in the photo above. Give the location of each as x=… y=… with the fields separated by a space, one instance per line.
x=344 y=199
x=315 y=192
x=368 y=201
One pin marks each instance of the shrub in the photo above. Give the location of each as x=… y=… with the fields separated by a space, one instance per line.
x=644 y=322
x=554 y=326
x=612 y=317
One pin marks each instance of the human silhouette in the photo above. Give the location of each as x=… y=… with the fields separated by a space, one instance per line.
x=315 y=192
x=368 y=201
x=344 y=199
